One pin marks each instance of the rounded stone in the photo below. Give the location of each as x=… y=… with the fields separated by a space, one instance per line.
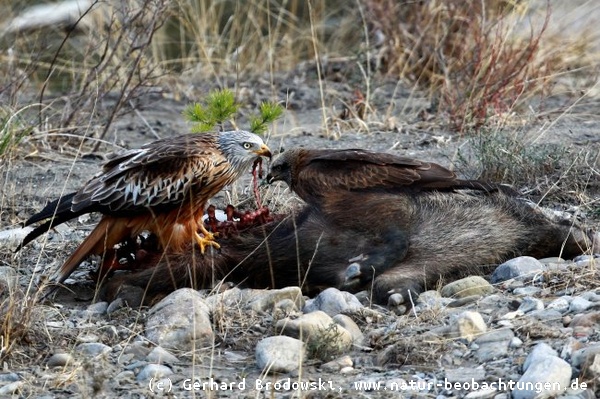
x=521 y=267
x=333 y=301
x=279 y=354
x=180 y=321
x=156 y=371
x=59 y=360
x=468 y=286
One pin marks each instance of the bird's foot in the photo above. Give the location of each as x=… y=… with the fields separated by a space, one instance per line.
x=207 y=240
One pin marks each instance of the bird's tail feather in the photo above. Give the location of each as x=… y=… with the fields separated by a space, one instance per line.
x=41 y=229
x=58 y=211
x=56 y=208
x=109 y=232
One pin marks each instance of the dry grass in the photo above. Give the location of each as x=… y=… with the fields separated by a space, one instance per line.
x=549 y=172
x=477 y=61
x=220 y=38
x=12 y=129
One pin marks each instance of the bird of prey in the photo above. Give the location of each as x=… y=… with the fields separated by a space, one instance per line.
x=314 y=173
x=162 y=187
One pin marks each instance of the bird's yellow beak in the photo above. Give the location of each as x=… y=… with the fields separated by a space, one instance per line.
x=264 y=151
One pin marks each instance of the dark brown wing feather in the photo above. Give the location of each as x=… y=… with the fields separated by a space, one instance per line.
x=361 y=170
x=159 y=175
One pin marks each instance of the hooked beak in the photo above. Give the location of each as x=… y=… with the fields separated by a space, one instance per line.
x=274 y=176
x=264 y=152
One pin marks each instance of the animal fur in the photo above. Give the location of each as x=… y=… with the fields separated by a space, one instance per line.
x=407 y=243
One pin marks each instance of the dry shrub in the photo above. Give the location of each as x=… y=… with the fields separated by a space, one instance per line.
x=93 y=66
x=463 y=51
x=17 y=318
x=103 y=56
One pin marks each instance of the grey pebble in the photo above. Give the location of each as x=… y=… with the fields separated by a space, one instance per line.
x=338 y=364
x=544 y=369
x=583 y=355
x=317 y=328
x=579 y=304
x=279 y=354
x=138 y=350
x=9 y=377
x=530 y=304
x=429 y=299
x=125 y=375
x=155 y=371
x=493 y=344
x=93 y=349
x=545 y=314
x=488 y=393
x=266 y=300
x=180 y=321
x=521 y=267
x=349 y=325
x=60 y=360
x=97 y=308
x=539 y=352
x=87 y=338
x=161 y=355
x=463 y=301
x=136 y=365
x=11 y=388
x=516 y=342
x=115 y=305
x=582 y=261
x=333 y=301
x=468 y=286
x=465 y=374
x=526 y=291
x=591 y=296
x=559 y=304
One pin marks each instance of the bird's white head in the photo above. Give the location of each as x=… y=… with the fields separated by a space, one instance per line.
x=242 y=148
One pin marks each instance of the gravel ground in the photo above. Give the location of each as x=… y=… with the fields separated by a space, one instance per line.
x=74 y=347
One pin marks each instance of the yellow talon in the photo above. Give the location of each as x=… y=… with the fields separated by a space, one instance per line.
x=208 y=239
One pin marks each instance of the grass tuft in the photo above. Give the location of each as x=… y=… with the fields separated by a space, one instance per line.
x=547 y=171
x=12 y=130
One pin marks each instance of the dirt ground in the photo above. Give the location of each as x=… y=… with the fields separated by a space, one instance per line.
x=45 y=167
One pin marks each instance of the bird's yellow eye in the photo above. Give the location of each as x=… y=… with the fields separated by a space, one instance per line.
x=247 y=146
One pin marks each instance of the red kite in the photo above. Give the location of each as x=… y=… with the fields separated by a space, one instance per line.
x=163 y=187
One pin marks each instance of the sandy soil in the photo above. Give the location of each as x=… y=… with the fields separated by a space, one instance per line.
x=398 y=123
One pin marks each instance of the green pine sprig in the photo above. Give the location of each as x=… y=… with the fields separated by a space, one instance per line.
x=220 y=105
x=269 y=113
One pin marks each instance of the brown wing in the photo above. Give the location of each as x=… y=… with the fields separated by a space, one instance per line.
x=360 y=170
x=158 y=175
